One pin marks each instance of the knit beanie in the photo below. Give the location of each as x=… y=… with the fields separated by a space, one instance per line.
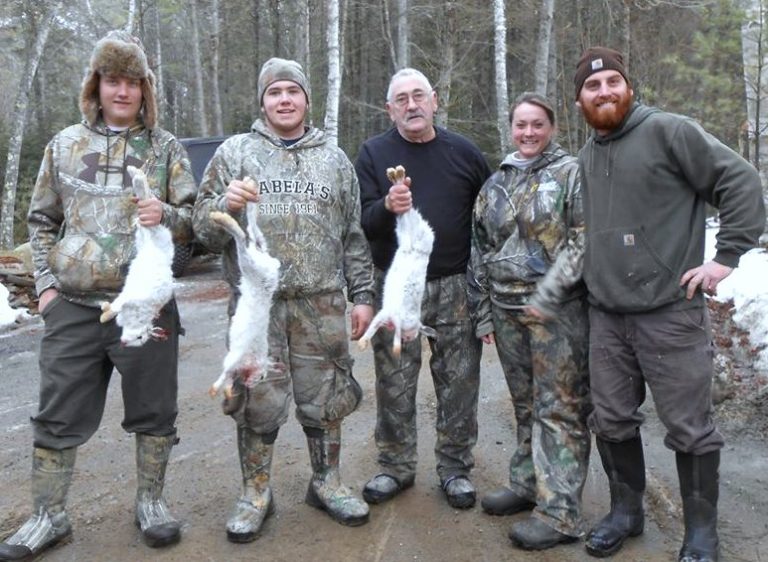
x=276 y=69
x=119 y=53
x=596 y=59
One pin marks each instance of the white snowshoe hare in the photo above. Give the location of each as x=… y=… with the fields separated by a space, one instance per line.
x=259 y=273
x=405 y=280
x=149 y=283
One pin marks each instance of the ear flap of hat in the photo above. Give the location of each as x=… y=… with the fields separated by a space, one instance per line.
x=148 y=92
x=89 y=97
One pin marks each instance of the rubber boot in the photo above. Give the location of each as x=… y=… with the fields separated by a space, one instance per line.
x=51 y=477
x=158 y=527
x=625 y=466
x=699 y=488
x=255 y=503
x=504 y=501
x=325 y=489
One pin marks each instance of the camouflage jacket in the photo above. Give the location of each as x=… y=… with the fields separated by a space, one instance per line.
x=524 y=218
x=82 y=215
x=309 y=212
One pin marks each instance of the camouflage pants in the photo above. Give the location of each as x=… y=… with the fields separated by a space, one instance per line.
x=308 y=344
x=455 y=366
x=546 y=368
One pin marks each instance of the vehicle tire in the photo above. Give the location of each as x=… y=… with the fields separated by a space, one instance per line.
x=182 y=253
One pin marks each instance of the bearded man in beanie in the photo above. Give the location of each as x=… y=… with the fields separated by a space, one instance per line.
x=81 y=225
x=309 y=211
x=647 y=178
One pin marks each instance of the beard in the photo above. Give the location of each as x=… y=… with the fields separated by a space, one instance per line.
x=608 y=117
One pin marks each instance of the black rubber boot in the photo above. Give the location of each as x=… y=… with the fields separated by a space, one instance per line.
x=625 y=466
x=534 y=534
x=51 y=476
x=158 y=527
x=699 y=488
x=504 y=501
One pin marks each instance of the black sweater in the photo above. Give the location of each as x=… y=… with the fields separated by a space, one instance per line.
x=447 y=174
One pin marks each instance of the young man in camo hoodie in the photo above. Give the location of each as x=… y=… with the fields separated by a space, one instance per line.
x=309 y=211
x=81 y=223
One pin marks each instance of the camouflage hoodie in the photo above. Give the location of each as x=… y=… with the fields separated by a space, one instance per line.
x=524 y=217
x=82 y=215
x=309 y=212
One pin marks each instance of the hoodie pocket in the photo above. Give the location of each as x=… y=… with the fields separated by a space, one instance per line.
x=625 y=273
x=84 y=262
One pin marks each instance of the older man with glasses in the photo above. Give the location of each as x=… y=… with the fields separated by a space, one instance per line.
x=445 y=173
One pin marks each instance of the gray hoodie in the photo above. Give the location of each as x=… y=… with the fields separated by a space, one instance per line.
x=646 y=186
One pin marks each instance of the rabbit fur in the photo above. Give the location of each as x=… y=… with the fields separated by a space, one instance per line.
x=247 y=356
x=149 y=283
x=405 y=280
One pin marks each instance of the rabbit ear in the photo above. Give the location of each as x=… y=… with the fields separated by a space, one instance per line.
x=140 y=183
x=108 y=313
x=396 y=174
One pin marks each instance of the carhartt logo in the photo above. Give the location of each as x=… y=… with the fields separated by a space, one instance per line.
x=597 y=64
x=629 y=239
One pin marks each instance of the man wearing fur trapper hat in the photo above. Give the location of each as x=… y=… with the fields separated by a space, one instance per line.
x=308 y=207
x=81 y=224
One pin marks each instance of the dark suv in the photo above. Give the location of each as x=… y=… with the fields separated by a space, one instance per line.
x=200 y=150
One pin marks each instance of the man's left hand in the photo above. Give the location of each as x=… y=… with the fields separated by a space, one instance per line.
x=150 y=211
x=361 y=317
x=706 y=277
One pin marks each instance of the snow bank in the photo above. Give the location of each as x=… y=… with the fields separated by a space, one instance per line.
x=746 y=286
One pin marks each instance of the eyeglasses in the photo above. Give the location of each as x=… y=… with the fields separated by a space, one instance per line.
x=418 y=97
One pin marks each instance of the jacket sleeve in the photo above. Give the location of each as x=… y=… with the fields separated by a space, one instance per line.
x=727 y=182
x=375 y=217
x=568 y=266
x=45 y=218
x=477 y=277
x=358 y=267
x=210 y=198
x=181 y=194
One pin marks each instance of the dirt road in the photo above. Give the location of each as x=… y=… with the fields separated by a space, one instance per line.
x=417 y=526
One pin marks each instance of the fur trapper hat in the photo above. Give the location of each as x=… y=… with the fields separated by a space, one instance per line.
x=119 y=53
x=276 y=69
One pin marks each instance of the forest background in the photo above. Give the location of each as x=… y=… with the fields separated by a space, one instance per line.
x=702 y=58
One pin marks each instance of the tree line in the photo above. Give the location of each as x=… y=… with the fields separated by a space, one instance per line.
x=686 y=56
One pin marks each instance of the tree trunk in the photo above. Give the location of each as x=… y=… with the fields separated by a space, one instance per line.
x=541 y=68
x=387 y=26
x=447 y=61
x=130 y=25
x=218 y=126
x=403 y=35
x=624 y=46
x=304 y=54
x=160 y=86
x=197 y=63
x=334 y=73
x=40 y=27
x=552 y=81
x=293 y=26
x=500 y=66
x=752 y=34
